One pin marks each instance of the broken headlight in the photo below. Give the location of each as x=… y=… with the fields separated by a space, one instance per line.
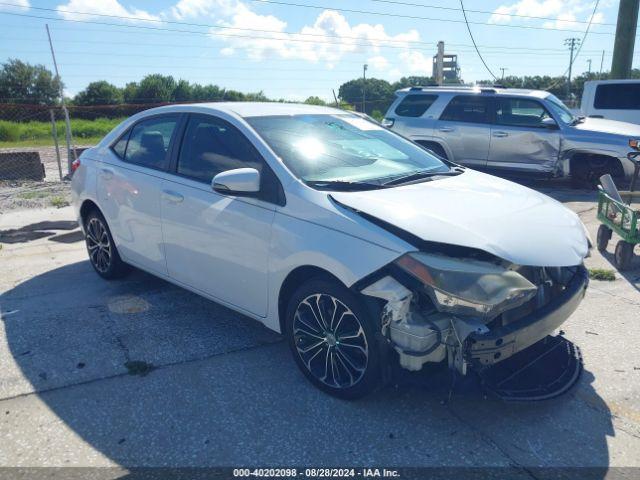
x=466 y=286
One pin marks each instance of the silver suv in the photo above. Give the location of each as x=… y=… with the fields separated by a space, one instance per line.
x=519 y=131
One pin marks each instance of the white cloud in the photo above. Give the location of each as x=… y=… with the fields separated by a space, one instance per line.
x=189 y=9
x=18 y=5
x=567 y=14
x=417 y=62
x=328 y=40
x=378 y=62
x=101 y=7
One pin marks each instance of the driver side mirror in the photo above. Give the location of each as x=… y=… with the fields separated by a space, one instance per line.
x=549 y=123
x=239 y=181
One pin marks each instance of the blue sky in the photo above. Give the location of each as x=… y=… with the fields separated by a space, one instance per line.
x=293 y=52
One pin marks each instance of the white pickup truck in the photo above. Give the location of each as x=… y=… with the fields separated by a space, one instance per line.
x=612 y=99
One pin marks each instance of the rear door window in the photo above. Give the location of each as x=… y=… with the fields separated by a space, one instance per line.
x=618 y=96
x=468 y=108
x=150 y=141
x=415 y=105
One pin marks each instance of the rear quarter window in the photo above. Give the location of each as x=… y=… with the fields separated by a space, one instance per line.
x=415 y=105
x=617 y=96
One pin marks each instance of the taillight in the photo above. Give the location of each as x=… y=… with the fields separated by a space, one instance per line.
x=75 y=165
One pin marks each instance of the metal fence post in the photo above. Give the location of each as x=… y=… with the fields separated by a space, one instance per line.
x=54 y=132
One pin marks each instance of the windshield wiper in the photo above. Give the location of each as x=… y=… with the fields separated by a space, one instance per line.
x=342 y=185
x=577 y=120
x=410 y=177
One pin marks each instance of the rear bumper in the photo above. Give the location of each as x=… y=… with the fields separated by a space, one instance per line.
x=500 y=343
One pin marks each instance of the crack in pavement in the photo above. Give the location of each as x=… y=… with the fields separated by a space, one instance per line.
x=490 y=441
x=157 y=367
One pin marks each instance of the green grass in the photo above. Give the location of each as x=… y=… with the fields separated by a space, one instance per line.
x=59 y=201
x=33 y=195
x=37 y=134
x=602 y=274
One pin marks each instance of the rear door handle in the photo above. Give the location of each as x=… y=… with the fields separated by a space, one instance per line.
x=106 y=173
x=500 y=134
x=173 y=197
x=446 y=129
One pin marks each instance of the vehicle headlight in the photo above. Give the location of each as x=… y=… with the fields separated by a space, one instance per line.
x=467 y=287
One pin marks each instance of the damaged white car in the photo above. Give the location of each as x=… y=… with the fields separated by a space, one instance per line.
x=360 y=246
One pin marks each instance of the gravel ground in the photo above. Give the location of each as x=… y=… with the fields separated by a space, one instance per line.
x=21 y=194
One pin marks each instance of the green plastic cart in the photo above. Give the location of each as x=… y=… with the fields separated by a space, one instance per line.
x=622 y=218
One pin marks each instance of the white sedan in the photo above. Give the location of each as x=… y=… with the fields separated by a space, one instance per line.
x=359 y=246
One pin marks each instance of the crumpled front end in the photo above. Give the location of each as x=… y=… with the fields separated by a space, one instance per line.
x=473 y=311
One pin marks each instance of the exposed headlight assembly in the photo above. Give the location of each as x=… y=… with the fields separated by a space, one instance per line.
x=468 y=287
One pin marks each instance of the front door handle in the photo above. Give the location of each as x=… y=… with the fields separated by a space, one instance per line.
x=173 y=197
x=500 y=134
x=106 y=173
x=446 y=129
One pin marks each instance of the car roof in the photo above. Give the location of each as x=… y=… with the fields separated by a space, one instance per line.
x=251 y=109
x=474 y=90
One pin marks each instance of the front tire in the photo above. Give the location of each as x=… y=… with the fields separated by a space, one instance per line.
x=603 y=237
x=103 y=254
x=333 y=339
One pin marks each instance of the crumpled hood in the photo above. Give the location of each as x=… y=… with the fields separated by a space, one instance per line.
x=480 y=211
x=614 y=127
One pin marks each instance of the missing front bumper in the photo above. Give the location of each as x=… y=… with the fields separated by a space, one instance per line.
x=501 y=343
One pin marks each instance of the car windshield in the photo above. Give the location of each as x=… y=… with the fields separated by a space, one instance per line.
x=560 y=110
x=344 y=149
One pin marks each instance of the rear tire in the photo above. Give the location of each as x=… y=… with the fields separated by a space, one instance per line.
x=333 y=339
x=103 y=254
x=623 y=255
x=603 y=237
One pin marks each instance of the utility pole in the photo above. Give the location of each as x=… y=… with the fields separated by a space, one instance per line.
x=71 y=153
x=625 y=38
x=503 y=69
x=364 y=87
x=589 y=62
x=601 y=64
x=440 y=63
x=572 y=43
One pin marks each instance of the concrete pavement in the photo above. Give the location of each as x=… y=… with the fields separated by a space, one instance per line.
x=218 y=389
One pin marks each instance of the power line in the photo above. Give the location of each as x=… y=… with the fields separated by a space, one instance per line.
x=115 y=25
x=584 y=37
x=298 y=5
x=474 y=42
x=139 y=44
x=440 y=7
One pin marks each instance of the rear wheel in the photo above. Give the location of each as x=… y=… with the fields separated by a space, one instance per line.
x=333 y=340
x=604 y=235
x=101 y=248
x=624 y=255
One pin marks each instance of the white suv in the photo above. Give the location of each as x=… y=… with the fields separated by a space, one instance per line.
x=511 y=130
x=359 y=246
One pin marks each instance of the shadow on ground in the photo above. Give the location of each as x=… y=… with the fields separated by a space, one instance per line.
x=219 y=389
x=38 y=230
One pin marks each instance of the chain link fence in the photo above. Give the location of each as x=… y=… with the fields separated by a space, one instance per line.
x=36 y=156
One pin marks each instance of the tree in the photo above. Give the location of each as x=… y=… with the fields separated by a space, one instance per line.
x=130 y=92
x=155 y=88
x=379 y=94
x=99 y=93
x=206 y=93
x=183 y=92
x=24 y=83
x=313 y=100
x=413 y=81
